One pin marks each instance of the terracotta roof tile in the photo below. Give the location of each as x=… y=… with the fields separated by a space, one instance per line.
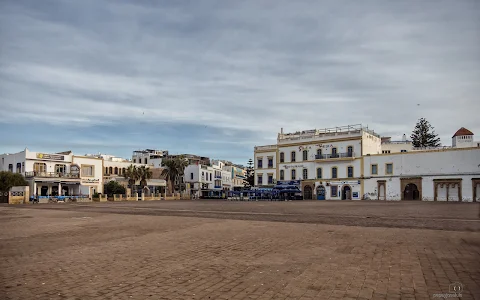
x=462 y=131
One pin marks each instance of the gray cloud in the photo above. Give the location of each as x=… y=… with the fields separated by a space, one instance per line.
x=243 y=65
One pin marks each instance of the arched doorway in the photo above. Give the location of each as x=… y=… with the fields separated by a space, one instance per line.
x=411 y=192
x=346 y=193
x=307 y=193
x=320 y=192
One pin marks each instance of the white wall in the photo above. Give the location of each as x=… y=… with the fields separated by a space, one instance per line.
x=463 y=141
x=97 y=178
x=371 y=144
x=14 y=158
x=430 y=165
x=397 y=147
x=325 y=146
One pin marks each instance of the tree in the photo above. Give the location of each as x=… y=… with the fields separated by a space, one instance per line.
x=144 y=174
x=424 y=135
x=131 y=174
x=113 y=187
x=173 y=170
x=9 y=180
x=250 y=179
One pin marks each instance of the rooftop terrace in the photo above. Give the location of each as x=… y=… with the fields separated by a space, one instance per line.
x=326 y=132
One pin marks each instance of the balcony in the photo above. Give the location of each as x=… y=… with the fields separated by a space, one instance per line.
x=218 y=176
x=270 y=166
x=336 y=156
x=51 y=175
x=217 y=186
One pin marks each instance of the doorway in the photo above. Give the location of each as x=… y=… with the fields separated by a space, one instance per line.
x=346 y=193
x=411 y=192
x=307 y=193
x=65 y=191
x=320 y=192
x=44 y=191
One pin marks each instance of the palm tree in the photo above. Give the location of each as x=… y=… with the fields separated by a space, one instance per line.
x=173 y=170
x=132 y=175
x=144 y=173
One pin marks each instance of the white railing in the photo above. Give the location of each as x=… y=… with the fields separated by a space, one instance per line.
x=327 y=132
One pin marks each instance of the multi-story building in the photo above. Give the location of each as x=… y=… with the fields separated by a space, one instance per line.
x=149 y=157
x=351 y=162
x=327 y=162
x=389 y=146
x=237 y=176
x=200 y=178
x=61 y=173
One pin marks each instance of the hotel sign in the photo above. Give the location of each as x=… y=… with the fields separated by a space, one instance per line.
x=91 y=181
x=293 y=166
x=50 y=156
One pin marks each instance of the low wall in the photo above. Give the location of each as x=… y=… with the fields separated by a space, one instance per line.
x=19 y=195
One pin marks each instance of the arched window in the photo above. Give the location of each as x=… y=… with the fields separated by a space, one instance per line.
x=292 y=156
x=319 y=173
x=319 y=153
x=282 y=157
x=305 y=174
x=116 y=171
x=350 y=151
x=282 y=175
x=334 y=172
x=293 y=174
x=106 y=170
x=350 y=172
x=305 y=155
x=123 y=170
x=110 y=170
x=19 y=168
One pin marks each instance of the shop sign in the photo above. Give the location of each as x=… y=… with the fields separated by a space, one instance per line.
x=50 y=156
x=74 y=169
x=293 y=166
x=90 y=181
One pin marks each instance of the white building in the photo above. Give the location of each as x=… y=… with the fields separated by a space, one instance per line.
x=326 y=161
x=389 y=146
x=201 y=179
x=149 y=157
x=56 y=173
x=440 y=175
x=237 y=176
x=351 y=162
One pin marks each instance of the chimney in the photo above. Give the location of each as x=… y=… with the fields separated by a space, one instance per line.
x=281 y=130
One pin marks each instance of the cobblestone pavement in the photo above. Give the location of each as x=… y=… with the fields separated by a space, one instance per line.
x=222 y=250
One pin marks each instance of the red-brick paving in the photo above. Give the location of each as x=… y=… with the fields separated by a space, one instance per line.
x=220 y=250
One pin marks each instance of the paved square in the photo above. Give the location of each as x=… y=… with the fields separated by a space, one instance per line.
x=239 y=250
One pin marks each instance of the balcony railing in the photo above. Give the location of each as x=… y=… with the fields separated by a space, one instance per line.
x=217 y=186
x=335 y=155
x=270 y=166
x=50 y=175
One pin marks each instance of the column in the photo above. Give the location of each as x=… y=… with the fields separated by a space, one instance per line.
x=35 y=192
x=60 y=189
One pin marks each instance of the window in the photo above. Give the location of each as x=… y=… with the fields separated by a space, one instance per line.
x=10 y=167
x=60 y=169
x=270 y=162
x=87 y=171
x=282 y=157
x=319 y=173
x=349 y=151
x=385 y=151
x=389 y=168
x=146 y=161
x=334 y=152
x=19 y=168
x=403 y=150
x=39 y=167
x=305 y=174
x=292 y=156
x=23 y=167
x=270 y=179
x=282 y=175
x=123 y=170
x=305 y=155
x=110 y=170
x=191 y=176
x=260 y=179
x=333 y=191
x=293 y=174
x=350 y=172
x=260 y=163
x=319 y=153
x=116 y=171
x=334 y=172
x=374 y=169
x=210 y=176
x=134 y=160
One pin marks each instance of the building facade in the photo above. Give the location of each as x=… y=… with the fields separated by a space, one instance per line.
x=53 y=174
x=339 y=164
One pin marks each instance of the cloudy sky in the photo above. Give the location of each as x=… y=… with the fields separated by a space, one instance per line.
x=216 y=78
